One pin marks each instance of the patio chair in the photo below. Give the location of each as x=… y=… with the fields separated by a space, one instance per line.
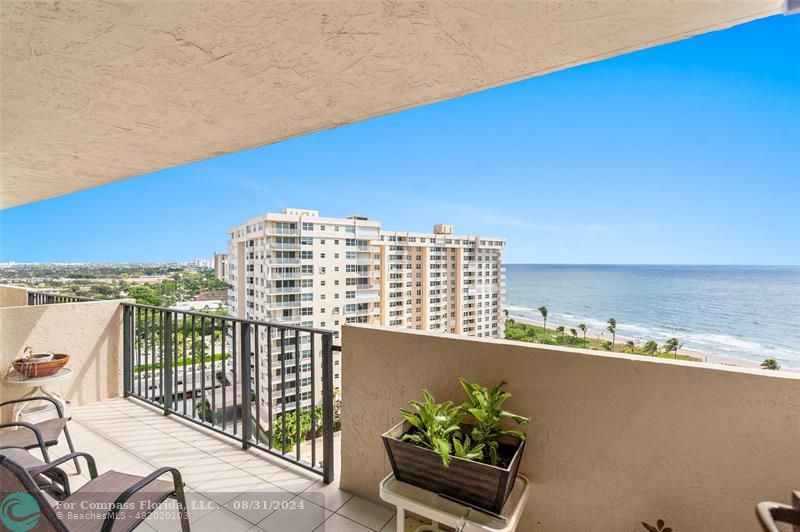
x=129 y=499
x=42 y=435
x=772 y=513
x=54 y=482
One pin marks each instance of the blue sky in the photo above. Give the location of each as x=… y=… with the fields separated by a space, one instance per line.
x=688 y=153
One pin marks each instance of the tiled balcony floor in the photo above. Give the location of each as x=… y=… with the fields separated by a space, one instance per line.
x=227 y=488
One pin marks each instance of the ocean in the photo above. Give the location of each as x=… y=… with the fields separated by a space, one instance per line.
x=746 y=312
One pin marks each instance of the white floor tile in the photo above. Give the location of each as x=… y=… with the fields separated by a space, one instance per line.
x=228 y=484
x=332 y=496
x=337 y=523
x=298 y=516
x=221 y=521
x=368 y=513
x=263 y=466
x=293 y=479
x=202 y=471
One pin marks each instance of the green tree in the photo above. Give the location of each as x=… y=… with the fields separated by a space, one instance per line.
x=144 y=294
x=630 y=347
x=291 y=428
x=560 y=333
x=770 y=363
x=671 y=346
x=574 y=333
x=543 y=312
x=607 y=346
x=582 y=327
x=650 y=347
x=612 y=328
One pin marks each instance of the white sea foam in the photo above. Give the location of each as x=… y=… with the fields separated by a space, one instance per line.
x=724 y=341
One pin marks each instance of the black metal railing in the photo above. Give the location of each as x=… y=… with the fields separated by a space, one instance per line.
x=48 y=298
x=258 y=382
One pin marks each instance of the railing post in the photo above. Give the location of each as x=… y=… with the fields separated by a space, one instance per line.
x=327 y=408
x=246 y=383
x=127 y=350
x=166 y=363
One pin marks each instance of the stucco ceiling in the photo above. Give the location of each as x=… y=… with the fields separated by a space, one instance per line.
x=96 y=91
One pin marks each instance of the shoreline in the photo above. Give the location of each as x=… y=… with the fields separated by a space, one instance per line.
x=705 y=356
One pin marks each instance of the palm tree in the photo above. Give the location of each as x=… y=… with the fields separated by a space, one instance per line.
x=574 y=333
x=560 y=332
x=582 y=327
x=650 y=347
x=630 y=347
x=612 y=328
x=770 y=363
x=505 y=313
x=672 y=345
x=543 y=312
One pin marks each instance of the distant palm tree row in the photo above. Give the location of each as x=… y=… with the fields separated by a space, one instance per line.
x=651 y=347
x=529 y=333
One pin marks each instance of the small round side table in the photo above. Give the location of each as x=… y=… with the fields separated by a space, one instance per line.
x=15 y=379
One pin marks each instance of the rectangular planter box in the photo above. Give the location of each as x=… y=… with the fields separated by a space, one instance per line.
x=477 y=484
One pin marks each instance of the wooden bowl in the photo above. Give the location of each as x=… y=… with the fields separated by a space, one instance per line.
x=41 y=369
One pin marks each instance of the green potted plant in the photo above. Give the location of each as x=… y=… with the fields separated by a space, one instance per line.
x=463 y=452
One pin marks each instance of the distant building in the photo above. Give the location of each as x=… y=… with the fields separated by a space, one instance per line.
x=442 y=282
x=302 y=269
x=203 y=263
x=221 y=266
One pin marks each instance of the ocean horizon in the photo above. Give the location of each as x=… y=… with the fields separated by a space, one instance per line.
x=745 y=312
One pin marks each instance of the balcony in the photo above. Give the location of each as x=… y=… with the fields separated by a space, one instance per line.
x=285 y=290
x=285 y=260
x=360 y=312
x=284 y=275
x=366 y=259
x=282 y=231
x=603 y=425
x=367 y=294
x=286 y=304
x=285 y=245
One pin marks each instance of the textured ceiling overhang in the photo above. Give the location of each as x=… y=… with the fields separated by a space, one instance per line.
x=96 y=91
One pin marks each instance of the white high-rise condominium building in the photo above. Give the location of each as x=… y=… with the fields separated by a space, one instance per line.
x=298 y=268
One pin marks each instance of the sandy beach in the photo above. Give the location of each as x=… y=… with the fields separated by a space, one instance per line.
x=709 y=358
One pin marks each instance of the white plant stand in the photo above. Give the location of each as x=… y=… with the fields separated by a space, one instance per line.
x=441 y=510
x=36 y=414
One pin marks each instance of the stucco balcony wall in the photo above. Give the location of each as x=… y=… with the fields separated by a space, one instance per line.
x=13 y=296
x=615 y=439
x=90 y=332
